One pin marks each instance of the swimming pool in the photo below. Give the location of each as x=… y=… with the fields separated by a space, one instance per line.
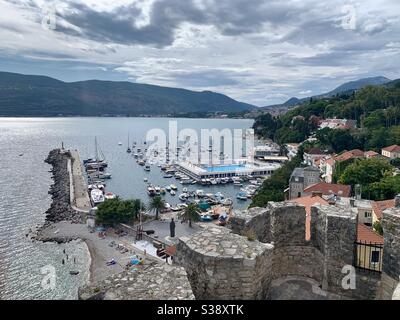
x=226 y=168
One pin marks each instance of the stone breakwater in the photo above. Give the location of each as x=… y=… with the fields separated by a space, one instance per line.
x=60 y=209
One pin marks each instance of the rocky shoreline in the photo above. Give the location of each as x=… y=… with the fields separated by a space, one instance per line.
x=60 y=208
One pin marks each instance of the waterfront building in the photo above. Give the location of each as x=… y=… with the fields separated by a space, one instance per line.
x=198 y=172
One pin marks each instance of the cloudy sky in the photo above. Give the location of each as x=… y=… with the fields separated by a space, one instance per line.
x=257 y=51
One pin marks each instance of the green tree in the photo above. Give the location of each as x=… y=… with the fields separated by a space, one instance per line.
x=115 y=211
x=366 y=171
x=191 y=213
x=378 y=227
x=385 y=189
x=157 y=204
x=273 y=188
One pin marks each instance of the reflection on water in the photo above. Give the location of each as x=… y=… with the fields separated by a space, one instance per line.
x=25 y=181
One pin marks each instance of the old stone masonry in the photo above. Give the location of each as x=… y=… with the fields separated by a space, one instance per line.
x=266 y=245
x=263 y=253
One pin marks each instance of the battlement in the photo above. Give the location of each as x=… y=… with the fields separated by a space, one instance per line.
x=219 y=265
x=223 y=265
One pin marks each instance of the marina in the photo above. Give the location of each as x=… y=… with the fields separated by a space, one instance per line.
x=36 y=137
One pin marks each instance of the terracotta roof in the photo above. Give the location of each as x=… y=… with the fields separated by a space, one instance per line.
x=330 y=188
x=330 y=161
x=308 y=202
x=371 y=153
x=393 y=148
x=356 y=153
x=380 y=206
x=366 y=234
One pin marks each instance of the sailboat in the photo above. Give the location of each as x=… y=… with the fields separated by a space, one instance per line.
x=129 y=148
x=98 y=163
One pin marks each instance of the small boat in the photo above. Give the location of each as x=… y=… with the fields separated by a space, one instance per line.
x=194 y=182
x=183 y=197
x=168 y=188
x=104 y=176
x=241 y=196
x=227 y=202
x=167 y=176
x=219 y=195
x=172 y=193
x=73 y=272
x=213 y=181
x=200 y=193
x=57 y=231
x=162 y=190
x=186 y=181
x=145 y=179
x=109 y=196
x=120 y=143
x=184 y=190
x=141 y=163
x=129 y=148
x=147 y=167
x=237 y=183
x=151 y=191
x=173 y=187
x=135 y=155
x=157 y=190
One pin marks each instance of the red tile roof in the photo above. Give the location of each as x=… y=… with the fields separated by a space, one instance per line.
x=380 y=206
x=366 y=234
x=371 y=153
x=393 y=148
x=356 y=153
x=308 y=202
x=329 y=189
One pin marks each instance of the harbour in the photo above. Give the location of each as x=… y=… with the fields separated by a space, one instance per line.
x=26 y=142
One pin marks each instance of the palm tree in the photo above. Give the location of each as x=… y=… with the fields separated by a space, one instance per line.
x=157 y=204
x=191 y=213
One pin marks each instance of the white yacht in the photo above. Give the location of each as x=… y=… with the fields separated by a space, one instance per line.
x=97 y=196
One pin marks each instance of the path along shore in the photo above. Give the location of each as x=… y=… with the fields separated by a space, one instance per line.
x=66 y=217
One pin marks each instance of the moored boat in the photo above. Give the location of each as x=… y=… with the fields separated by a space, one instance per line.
x=97 y=197
x=109 y=196
x=241 y=196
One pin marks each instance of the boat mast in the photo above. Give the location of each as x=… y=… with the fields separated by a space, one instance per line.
x=96 y=153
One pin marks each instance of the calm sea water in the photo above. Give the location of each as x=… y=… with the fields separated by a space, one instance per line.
x=25 y=182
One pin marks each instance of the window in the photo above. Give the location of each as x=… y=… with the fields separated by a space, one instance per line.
x=375 y=255
x=367 y=214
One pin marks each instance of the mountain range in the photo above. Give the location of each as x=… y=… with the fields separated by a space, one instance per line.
x=347 y=87
x=31 y=95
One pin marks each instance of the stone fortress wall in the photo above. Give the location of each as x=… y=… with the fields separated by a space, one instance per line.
x=219 y=265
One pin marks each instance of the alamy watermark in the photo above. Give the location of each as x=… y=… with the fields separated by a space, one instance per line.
x=210 y=147
x=49 y=17
x=49 y=277
x=349 y=20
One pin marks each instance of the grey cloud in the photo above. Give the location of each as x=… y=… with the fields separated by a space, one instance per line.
x=233 y=17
